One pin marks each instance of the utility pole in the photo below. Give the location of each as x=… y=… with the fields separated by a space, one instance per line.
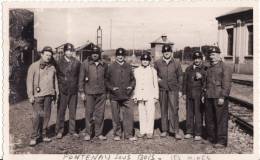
x=110 y=42
x=134 y=42
x=99 y=37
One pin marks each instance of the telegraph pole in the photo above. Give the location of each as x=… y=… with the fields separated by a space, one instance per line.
x=99 y=37
x=110 y=42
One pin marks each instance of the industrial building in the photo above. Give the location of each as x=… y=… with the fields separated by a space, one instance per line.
x=235 y=39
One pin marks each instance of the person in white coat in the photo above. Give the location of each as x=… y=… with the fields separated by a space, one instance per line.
x=146 y=94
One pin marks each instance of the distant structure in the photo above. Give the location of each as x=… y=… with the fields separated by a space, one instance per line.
x=99 y=37
x=84 y=51
x=156 y=46
x=235 y=39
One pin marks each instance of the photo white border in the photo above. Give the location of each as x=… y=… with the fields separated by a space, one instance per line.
x=176 y=3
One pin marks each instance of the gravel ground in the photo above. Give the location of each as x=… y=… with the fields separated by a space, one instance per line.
x=20 y=127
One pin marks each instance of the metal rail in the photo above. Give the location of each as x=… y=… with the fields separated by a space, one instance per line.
x=239 y=117
x=246 y=126
x=243 y=82
x=241 y=102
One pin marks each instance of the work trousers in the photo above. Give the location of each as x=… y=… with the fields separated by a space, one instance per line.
x=194 y=116
x=69 y=101
x=94 y=113
x=41 y=116
x=216 y=121
x=169 y=103
x=126 y=108
x=146 y=116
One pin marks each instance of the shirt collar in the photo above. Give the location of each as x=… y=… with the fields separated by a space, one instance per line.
x=211 y=65
x=167 y=60
x=145 y=67
x=99 y=62
x=44 y=64
x=194 y=66
x=122 y=63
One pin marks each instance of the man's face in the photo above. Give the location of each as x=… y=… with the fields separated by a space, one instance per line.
x=214 y=57
x=68 y=53
x=95 y=56
x=197 y=61
x=167 y=55
x=120 y=58
x=46 y=56
x=145 y=63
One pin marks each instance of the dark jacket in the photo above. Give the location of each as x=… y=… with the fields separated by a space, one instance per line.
x=120 y=76
x=218 y=81
x=68 y=75
x=192 y=87
x=170 y=75
x=92 y=77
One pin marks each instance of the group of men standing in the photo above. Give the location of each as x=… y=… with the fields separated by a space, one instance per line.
x=93 y=79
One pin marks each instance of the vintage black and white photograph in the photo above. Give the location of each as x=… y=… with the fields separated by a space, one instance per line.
x=130 y=79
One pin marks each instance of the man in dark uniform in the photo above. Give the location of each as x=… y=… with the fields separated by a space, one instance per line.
x=170 y=82
x=193 y=81
x=93 y=92
x=120 y=83
x=68 y=72
x=218 y=85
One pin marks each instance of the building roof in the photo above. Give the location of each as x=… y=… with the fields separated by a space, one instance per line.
x=85 y=47
x=60 y=46
x=235 y=11
x=159 y=40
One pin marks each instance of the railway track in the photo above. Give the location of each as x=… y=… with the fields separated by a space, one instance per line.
x=242 y=113
x=242 y=82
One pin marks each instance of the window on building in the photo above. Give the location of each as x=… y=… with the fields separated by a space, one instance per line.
x=230 y=42
x=250 y=40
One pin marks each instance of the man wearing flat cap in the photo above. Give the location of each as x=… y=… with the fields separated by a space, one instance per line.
x=93 y=92
x=120 y=82
x=42 y=89
x=217 y=89
x=193 y=80
x=68 y=72
x=170 y=82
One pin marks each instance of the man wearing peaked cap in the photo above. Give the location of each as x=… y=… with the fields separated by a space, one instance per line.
x=197 y=55
x=120 y=82
x=68 y=72
x=95 y=54
x=68 y=47
x=170 y=80
x=166 y=48
x=217 y=89
x=93 y=92
x=146 y=57
x=120 y=52
x=193 y=80
x=42 y=89
x=214 y=49
x=96 y=49
x=146 y=94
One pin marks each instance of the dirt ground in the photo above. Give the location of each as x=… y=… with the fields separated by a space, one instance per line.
x=20 y=128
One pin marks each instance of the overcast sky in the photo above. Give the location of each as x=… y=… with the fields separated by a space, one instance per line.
x=131 y=27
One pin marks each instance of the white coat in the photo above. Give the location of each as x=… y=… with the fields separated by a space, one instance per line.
x=146 y=83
